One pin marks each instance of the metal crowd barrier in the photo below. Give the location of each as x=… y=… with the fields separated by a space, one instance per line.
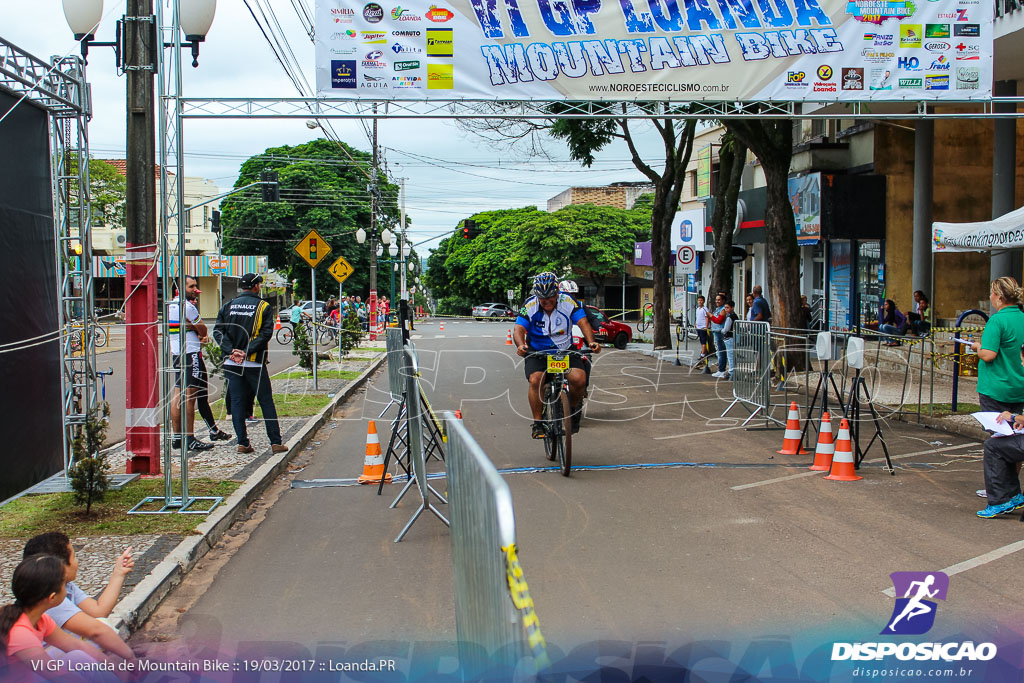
x=751 y=381
x=494 y=616
x=395 y=351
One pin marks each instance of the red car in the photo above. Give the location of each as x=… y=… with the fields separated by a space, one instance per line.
x=607 y=331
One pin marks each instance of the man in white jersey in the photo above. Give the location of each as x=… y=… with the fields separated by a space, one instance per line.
x=193 y=329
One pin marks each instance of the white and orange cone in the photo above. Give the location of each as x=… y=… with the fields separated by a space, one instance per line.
x=791 y=440
x=826 y=447
x=842 y=462
x=442 y=326
x=508 y=339
x=373 y=464
x=277 y=325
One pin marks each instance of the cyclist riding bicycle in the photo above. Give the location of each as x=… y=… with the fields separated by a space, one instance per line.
x=545 y=324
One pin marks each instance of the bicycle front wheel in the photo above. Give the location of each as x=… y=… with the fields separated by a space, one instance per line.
x=99 y=335
x=284 y=335
x=551 y=449
x=565 y=454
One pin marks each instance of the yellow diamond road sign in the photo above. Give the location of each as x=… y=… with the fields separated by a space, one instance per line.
x=313 y=248
x=341 y=269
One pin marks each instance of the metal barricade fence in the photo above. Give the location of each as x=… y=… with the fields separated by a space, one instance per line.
x=395 y=352
x=751 y=382
x=494 y=616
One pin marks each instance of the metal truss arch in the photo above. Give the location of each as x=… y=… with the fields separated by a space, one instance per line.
x=332 y=108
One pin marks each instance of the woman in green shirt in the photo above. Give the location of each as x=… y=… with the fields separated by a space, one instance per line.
x=1000 y=371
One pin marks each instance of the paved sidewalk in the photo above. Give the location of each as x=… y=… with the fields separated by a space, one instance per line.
x=98 y=553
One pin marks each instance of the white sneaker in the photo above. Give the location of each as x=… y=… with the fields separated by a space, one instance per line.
x=981 y=493
x=718 y=374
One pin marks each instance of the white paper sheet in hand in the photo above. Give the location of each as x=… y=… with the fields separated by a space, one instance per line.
x=988 y=421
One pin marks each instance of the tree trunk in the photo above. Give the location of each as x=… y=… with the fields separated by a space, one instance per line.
x=730 y=172
x=661 y=248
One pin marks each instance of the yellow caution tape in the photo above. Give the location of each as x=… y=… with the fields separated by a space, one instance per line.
x=520 y=594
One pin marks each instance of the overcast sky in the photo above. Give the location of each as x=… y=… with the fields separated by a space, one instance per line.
x=450 y=174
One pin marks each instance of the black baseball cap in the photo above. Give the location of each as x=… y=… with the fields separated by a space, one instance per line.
x=250 y=280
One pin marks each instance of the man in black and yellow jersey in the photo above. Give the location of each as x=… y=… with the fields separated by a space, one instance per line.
x=243 y=330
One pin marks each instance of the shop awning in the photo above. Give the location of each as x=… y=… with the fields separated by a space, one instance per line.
x=1005 y=232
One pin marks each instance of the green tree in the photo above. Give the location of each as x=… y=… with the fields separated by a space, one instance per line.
x=106 y=191
x=88 y=475
x=731 y=159
x=323 y=188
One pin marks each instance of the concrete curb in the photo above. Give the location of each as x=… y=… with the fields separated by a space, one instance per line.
x=136 y=607
x=941 y=425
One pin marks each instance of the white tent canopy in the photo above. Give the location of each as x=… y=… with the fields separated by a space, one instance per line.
x=1005 y=232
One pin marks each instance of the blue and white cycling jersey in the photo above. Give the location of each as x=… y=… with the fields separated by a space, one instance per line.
x=550 y=332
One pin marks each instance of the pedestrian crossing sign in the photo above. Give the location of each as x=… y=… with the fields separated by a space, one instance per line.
x=313 y=248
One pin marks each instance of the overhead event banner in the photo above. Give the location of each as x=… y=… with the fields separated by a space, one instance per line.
x=802 y=50
x=1005 y=232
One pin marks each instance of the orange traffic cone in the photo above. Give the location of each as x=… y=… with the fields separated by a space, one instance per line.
x=842 y=461
x=508 y=338
x=277 y=325
x=373 y=464
x=826 y=446
x=791 y=440
x=442 y=326
x=458 y=414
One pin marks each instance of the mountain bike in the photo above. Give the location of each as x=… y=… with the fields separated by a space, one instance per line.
x=557 y=410
x=684 y=328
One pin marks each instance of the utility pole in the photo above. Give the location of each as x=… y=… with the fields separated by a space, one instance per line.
x=142 y=415
x=371 y=316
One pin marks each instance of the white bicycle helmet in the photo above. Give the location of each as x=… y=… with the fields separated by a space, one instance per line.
x=569 y=287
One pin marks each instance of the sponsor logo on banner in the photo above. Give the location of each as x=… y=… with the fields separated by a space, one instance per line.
x=880 y=39
x=400 y=49
x=967 y=30
x=936 y=82
x=908 y=64
x=370 y=37
x=910 y=35
x=824 y=84
x=373 y=82
x=373 y=64
x=876 y=57
x=853 y=78
x=824 y=72
x=936 y=31
x=879 y=79
x=407 y=65
x=373 y=13
x=344 y=35
x=937 y=46
x=374 y=54
x=967 y=52
x=961 y=15
x=344 y=50
x=440 y=77
x=406 y=34
x=439 y=15
x=940 y=64
x=407 y=82
x=440 y=42
x=402 y=14
x=967 y=77
x=343 y=73
x=911 y=83
x=796 y=79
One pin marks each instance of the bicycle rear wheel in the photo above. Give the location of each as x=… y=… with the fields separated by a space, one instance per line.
x=565 y=454
x=100 y=335
x=284 y=335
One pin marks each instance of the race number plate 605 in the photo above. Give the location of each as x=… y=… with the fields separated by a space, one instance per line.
x=558 y=364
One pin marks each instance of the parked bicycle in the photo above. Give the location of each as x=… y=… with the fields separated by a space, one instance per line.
x=99 y=334
x=646 y=318
x=684 y=328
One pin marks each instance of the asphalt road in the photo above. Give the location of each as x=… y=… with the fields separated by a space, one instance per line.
x=715 y=536
x=113 y=357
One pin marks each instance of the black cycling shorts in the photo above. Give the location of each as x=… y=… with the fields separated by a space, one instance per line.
x=195 y=370
x=540 y=363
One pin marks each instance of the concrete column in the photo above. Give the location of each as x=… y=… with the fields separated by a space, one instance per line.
x=924 y=157
x=1004 y=149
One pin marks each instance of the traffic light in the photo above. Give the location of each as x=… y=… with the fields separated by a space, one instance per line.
x=271 y=188
x=469 y=229
x=215 y=222
x=465 y=233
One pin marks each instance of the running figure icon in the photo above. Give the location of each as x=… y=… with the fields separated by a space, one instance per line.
x=914 y=613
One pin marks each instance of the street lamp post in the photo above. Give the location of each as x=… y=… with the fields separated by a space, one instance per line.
x=138 y=60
